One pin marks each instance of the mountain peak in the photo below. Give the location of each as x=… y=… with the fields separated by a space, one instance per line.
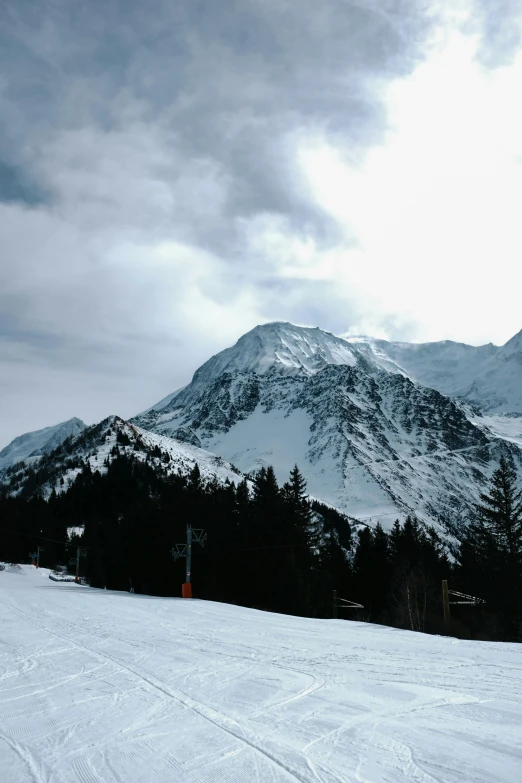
x=514 y=345
x=31 y=445
x=279 y=347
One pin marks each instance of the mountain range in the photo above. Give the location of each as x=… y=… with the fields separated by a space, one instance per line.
x=379 y=429
x=97 y=445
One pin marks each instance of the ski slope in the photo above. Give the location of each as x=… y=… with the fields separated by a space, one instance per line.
x=99 y=686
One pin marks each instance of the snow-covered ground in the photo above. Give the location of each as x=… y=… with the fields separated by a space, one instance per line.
x=104 y=686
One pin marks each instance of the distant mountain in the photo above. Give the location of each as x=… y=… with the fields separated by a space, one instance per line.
x=31 y=446
x=98 y=445
x=488 y=376
x=365 y=420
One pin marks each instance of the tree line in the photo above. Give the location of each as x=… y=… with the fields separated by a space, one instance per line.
x=270 y=547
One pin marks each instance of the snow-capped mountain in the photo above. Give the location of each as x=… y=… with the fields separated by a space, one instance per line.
x=31 y=446
x=379 y=429
x=99 y=444
x=370 y=438
x=487 y=376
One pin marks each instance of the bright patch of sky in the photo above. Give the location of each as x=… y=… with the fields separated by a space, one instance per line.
x=436 y=210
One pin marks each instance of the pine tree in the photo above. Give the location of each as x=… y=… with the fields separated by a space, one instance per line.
x=194 y=480
x=294 y=564
x=491 y=555
x=500 y=513
x=295 y=493
x=381 y=571
x=266 y=489
x=363 y=569
x=298 y=515
x=418 y=562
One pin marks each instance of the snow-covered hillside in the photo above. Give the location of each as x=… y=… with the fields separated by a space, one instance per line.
x=32 y=445
x=97 y=444
x=370 y=440
x=101 y=686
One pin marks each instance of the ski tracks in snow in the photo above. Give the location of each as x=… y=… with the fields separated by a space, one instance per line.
x=299 y=768
x=100 y=686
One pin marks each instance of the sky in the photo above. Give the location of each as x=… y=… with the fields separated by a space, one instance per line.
x=174 y=173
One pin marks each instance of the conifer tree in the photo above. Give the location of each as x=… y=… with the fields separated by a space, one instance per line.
x=491 y=555
x=297 y=564
x=266 y=489
x=500 y=513
x=195 y=478
x=295 y=492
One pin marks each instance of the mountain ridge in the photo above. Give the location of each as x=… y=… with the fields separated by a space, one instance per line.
x=486 y=376
x=100 y=443
x=476 y=374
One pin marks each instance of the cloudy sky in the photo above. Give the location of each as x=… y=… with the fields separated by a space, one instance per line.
x=174 y=172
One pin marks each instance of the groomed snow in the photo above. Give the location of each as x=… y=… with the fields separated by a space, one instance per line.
x=104 y=686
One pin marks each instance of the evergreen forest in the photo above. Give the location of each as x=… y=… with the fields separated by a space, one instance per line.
x=270 y=547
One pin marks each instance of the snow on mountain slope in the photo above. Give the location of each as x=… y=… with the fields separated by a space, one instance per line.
x=487 y=376
x=96 y=444
x=32 y=445
x=184 y=456
x=502 y=426
x=104 y=686
x=368 y=440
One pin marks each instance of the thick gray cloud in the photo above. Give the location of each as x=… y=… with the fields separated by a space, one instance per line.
x=148 y=175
